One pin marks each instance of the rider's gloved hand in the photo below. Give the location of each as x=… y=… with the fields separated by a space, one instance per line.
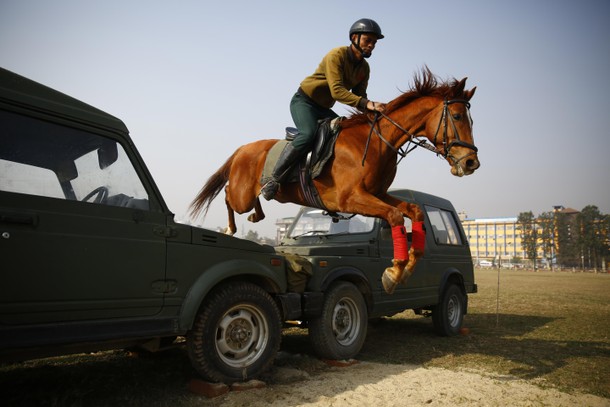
x=375 y=106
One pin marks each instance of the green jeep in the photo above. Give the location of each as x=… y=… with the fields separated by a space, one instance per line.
x=348 y=254
x=92 y=257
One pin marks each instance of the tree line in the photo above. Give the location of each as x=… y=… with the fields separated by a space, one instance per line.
x=567 y=239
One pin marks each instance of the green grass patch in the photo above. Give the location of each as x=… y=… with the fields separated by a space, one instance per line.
x=552 y=328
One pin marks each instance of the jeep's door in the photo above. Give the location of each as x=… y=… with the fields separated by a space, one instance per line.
x=80 y=236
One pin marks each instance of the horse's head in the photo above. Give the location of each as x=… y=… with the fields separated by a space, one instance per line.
x=436 y=110
x=449 y=128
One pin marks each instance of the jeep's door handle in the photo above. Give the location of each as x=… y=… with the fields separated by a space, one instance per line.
x=19 y=218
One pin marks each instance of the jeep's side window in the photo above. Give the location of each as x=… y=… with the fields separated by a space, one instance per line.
x=50 y=160
x=444 y=227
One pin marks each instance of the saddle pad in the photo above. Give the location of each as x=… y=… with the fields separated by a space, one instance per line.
x=272 y=156
x=316 y=168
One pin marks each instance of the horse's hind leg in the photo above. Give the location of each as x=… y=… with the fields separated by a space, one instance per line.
x=231 y=228
x=242 y=200
x=258 y=214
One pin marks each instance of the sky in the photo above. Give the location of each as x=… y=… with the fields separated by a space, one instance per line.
x=194 y=80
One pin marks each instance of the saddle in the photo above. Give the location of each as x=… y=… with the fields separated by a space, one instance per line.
x=309 y=166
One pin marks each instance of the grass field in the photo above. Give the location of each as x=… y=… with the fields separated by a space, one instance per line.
x=552 y=329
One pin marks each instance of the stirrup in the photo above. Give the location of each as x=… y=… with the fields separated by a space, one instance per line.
x=269 y=190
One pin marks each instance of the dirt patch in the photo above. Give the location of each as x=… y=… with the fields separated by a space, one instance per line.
x=373 y=384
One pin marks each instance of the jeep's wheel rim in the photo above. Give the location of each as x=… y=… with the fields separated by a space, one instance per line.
x=346 y=321
x=454 y=309
x=241 y=336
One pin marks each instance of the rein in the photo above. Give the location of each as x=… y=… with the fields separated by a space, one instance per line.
x=445 y=118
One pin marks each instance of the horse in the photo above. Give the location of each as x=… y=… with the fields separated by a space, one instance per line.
x=434 y=114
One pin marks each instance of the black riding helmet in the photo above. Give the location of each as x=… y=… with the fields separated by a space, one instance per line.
x=364 y=26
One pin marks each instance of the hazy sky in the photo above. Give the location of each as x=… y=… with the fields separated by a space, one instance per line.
x=193 y=80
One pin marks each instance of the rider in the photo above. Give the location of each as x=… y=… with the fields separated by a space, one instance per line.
x=342 y=76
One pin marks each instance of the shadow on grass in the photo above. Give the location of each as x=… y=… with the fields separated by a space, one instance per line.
x=412 y=341
x=101 y=379
x=114 y=378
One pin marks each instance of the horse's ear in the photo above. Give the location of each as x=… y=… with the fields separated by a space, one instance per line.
x=459 y=87
x=469 y=93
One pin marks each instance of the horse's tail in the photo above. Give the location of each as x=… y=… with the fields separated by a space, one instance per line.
x=212 y=188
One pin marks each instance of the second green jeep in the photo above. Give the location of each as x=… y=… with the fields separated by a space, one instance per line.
x=347 y=257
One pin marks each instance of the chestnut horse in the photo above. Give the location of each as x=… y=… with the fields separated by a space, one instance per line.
x=357 y=178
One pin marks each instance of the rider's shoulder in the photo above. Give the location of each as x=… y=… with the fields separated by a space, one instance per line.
x=338 y=53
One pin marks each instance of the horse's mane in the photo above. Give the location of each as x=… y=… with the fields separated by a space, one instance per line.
x=425 y=83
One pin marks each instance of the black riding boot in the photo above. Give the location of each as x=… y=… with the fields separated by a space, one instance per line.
x=287 y=158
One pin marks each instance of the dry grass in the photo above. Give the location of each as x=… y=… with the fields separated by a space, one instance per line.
x=552 y=329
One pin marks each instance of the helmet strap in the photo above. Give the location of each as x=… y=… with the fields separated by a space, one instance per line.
x=357 y=45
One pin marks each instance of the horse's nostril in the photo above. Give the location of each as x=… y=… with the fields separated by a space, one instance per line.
x=472 y=164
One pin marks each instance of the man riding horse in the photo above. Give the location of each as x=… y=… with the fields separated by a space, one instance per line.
x=342 y=76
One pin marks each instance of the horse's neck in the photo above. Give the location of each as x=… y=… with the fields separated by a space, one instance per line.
x=412 y=118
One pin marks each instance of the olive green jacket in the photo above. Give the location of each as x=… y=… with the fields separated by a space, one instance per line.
x=340 y=77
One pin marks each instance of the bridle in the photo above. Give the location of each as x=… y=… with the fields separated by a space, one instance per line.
x=445 y=120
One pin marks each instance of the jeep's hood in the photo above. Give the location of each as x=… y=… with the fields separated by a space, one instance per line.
x=328 y=249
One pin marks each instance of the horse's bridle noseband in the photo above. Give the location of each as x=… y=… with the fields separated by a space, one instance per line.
x=446 y=118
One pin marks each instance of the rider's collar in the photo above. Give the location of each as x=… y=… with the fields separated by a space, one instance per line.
x=352 y=56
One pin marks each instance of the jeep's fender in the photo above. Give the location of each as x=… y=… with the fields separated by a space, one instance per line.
x=452 y=276
x=343 y=273
x=270 y=279
x=352 y=275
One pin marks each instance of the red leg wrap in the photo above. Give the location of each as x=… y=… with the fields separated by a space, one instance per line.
x=419 y=236
x=399 y=237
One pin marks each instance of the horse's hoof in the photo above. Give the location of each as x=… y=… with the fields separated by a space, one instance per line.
x=405 y=277
x=389 y=284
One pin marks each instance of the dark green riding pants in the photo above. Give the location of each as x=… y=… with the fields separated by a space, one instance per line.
x=305 y=114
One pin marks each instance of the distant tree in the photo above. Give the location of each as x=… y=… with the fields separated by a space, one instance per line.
x=529 y=235
x=593 y=236
x=252 y=236
x=567 y=240
x=546 y=235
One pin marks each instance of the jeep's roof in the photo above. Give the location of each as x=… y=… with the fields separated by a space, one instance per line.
x=19 y=91
x=413 y=196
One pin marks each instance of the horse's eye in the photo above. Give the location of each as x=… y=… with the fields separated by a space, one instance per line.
x=457 y=116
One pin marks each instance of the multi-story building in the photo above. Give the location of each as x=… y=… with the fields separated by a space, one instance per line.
x=494 y=239
x=499 y=239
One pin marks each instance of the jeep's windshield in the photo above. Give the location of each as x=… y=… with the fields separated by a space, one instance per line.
x=46 y=159
x=312 y=222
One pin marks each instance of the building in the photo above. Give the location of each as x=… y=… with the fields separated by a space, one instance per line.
x=499 y=239
x=282 y=226
x=494 y=239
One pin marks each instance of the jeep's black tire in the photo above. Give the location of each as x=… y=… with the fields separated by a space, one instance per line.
x=236 y=334
x=340 y=331
x=448 y=314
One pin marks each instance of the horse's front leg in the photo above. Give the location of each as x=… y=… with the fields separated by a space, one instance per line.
x=403 y=264
x=258 y=214
x=393 y=212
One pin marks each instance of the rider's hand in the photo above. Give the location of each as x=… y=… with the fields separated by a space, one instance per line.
x=375 y=106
